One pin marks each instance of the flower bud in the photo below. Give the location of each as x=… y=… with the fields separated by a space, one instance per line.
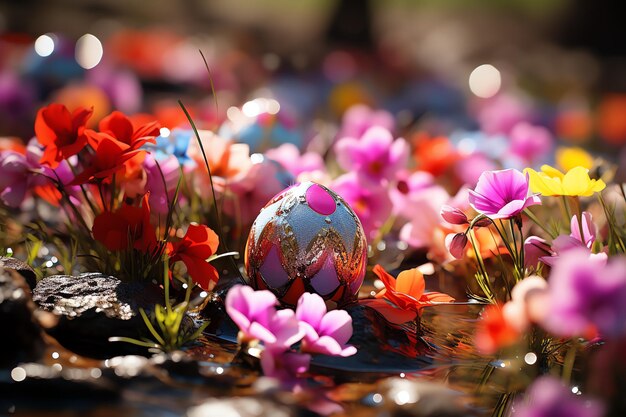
x=453 y=215
x=456 y=244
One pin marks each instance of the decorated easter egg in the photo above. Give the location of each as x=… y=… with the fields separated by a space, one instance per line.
x=307 y=239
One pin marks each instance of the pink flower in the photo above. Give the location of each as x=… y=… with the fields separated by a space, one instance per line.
x=288 y=155
x=251 y=311
x=325 y=332
x=564 y=243
x=375 y=155
x=535 y=248
x=286 y=330
x=370 y=202
x=424 y=219
x=162 y=178
x=247 y=194
x=254 y=312
x=502 y=194
x=501 y=113
x=284 y=366
x=359 y=118
x=410 y=188
x=548 y=397
x=531 y=143
x=528 y=303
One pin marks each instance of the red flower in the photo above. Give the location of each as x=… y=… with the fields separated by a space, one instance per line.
x=494 y=331
x=119 y=127
x=406 y=293
x=198 y=244
x=61 y=133
x=110 y=157
x=126 y=226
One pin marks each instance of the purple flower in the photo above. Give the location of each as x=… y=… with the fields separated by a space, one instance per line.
x=325 y=332
x=288 y=155
x=370 y=202
x=375 y=155
x=502 y=194
x=586 y=295
x=548 y=397
x=252 y=312
x=359 y=118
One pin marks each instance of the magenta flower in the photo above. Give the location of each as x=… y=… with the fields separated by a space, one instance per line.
x=359 y=118
x=288 y=155
x=325 y=332
x=370 y=202
x=502 y=194
x=252 y=312
x=586 y=296
x=548 y=397
x=375 y=155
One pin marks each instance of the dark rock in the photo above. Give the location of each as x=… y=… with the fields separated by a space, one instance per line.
x=21 y=268
x=94 y=307
x=383 y=349
x=21 y=333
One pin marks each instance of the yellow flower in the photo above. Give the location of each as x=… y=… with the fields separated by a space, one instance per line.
x=568 y=158
x=551 y=181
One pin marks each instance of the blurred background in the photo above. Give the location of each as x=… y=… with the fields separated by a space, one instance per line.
x=438 y=66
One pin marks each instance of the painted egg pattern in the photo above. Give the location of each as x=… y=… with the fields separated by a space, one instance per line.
x=307 y=239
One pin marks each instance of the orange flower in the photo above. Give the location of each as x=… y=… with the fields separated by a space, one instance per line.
x=494 y=331
x=61 y=132
x=406 y=293
x=198 y=244
x=435 y=155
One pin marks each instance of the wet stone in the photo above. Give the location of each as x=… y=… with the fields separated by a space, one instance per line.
x=244 y=407
x=21 y=268
x=21 y=332
x=383 y=350
x=93 y=307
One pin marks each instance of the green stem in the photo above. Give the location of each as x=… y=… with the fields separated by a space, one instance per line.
x=568 y=364
x=535 y=220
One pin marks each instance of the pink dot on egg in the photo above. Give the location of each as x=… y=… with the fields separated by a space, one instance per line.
x=320 y=201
